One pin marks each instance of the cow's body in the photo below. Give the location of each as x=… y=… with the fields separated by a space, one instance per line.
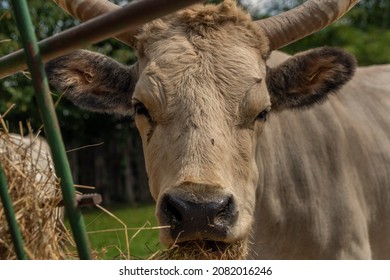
x=325 y=189
x=306 y=184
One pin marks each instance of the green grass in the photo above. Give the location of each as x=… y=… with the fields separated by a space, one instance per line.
x=112 y=244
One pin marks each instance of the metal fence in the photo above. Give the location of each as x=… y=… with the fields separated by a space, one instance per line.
x=34 y=54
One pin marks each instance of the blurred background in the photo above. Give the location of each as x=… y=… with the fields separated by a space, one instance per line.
x=104 y=151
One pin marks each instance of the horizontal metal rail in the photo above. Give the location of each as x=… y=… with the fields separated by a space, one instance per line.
x=127 y=19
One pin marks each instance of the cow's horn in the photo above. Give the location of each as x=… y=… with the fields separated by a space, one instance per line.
x=88 y=9
x=303 y=20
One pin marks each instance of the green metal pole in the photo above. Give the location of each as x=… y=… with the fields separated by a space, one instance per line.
x=16 y=236
x=50 y=122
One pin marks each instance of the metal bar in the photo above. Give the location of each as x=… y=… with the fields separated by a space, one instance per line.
x=128 y=18
x=16 y=236
x=50 y=122
x=85 y=200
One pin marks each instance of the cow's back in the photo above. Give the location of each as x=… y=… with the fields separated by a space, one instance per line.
x=324 y=190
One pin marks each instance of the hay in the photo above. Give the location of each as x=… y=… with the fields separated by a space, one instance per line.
x=203 y=250
x=35 y=192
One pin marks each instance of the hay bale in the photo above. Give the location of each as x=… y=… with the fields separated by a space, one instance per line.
x=35 y=192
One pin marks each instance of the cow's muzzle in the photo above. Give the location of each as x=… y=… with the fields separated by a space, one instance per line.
x=197 y=217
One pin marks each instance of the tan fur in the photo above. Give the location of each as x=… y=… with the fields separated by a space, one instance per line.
x=312 y=206
x=204 y=22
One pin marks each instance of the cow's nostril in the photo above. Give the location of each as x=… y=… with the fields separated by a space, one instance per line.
x=225 y=212
x=173 y=210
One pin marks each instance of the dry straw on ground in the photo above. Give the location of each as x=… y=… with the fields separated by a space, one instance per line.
x=35 y=192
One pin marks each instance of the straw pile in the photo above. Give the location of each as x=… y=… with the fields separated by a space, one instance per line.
x=35 y=192
x=203 y=250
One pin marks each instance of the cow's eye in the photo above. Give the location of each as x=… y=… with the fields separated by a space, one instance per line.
x=263 y=115
x=140 y=109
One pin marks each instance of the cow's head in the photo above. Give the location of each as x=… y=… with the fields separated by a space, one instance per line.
x=201 y=92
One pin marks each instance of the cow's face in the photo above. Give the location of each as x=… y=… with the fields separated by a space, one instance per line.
x=200 y=93
x=199 y=103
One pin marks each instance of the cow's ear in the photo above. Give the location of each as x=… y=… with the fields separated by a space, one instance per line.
x=307 y=78
x=93 y=81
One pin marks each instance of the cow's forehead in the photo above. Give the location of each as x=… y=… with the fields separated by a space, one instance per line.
x=205 y=27
x=194 y=82
x=202 y=51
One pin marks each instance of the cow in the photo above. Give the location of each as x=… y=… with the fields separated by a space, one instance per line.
x=246 y=145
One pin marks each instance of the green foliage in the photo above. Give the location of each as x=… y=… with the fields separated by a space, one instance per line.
x=17 y=89
x=369 y=46
x=371 y=13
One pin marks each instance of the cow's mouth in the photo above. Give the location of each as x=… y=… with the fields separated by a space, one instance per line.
x=205 y=250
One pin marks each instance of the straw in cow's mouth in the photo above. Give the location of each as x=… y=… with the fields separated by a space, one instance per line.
x=204 y=250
